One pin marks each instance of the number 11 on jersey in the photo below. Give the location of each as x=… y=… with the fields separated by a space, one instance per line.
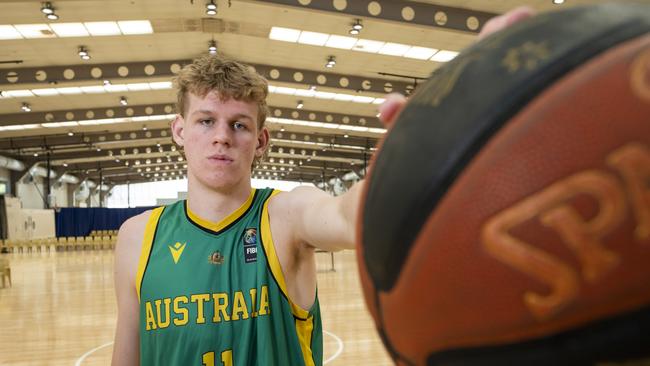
x=226 y=358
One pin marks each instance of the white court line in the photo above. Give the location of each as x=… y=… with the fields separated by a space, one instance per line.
x=335 y=355
x=82 y=358
x=338 y=351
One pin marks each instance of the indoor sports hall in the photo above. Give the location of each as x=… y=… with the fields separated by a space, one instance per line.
x=87 y=100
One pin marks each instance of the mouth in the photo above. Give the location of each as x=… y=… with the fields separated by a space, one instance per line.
x=221 y=159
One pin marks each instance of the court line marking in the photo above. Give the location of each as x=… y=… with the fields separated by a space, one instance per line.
x=338 y=351
x=330 y=359
x=82 y=358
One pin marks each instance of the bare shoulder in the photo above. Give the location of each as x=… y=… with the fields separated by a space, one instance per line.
x=298 y=198
x=129 y=238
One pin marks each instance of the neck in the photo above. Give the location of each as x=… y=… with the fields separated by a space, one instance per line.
x=215 y=204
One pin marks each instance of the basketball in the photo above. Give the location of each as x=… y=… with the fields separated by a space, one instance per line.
x=506 y=218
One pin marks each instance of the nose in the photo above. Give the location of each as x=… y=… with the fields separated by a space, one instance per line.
x=222 y=134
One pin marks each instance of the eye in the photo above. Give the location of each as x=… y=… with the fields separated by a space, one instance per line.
x=239 y=126
x=206 y=122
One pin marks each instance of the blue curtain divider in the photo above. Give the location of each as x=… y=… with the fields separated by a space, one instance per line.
x=77 y=221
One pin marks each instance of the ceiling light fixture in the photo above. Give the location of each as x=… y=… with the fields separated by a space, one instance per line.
x=211 y=8
x=356 y=27
x=331 y=61
x=558 y=2
x=83 y=53
x=48 y=10
x=123 y=101
x=212 y=47
x=300 y=104
x=70 y=133
x=26 y=108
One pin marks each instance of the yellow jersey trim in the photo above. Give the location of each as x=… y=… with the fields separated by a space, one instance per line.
x=274 y=262
x=147 y=243
x=218 y=226
x=304 y=329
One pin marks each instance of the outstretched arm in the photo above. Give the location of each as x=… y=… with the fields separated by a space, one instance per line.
x=329 y=223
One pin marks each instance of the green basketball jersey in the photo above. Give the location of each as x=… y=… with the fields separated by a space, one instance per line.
x=214 y=293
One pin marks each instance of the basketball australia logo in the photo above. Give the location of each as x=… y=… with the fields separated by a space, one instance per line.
x=249 y=237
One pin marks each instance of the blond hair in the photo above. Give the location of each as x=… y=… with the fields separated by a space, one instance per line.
x=229 y=78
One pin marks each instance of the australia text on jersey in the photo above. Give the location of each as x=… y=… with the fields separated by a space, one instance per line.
x=176 y=310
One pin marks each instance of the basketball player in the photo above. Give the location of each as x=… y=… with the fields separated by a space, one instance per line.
x=227 y=277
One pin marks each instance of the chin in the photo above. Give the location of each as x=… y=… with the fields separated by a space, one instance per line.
x=222 y=180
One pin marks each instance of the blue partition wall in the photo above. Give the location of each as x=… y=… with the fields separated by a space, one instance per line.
x=76 y=221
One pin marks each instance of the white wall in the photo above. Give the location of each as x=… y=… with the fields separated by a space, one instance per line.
x=60 y=196
x=28 y=223
x=30 y=194
x=31 y=198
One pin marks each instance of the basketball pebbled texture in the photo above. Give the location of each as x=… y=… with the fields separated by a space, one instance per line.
x=506 y=219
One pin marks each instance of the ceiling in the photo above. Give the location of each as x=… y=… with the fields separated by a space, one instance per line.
x=326 y=138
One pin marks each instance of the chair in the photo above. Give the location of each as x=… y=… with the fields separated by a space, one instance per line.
x=5 y=271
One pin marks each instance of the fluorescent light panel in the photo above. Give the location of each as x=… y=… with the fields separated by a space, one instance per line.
x=361 y=45
x=69 y=29
x=313 y=38
x=9 y=32
x=420 y=53
x=35 y=30
x=103 y=28
x=444 y=56
x=284 y=34
x=325 y=95
x=393 y=49
x=95 y=89
x=53 y=30
x=135 y=27
x=341 y=42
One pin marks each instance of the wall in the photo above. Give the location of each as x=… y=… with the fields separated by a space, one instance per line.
x=30 y=193
x=28 y=223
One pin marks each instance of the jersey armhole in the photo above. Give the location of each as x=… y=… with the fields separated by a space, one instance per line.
x=273 y=260
x=147 y=244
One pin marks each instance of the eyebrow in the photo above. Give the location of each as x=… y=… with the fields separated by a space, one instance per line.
x=236 y=116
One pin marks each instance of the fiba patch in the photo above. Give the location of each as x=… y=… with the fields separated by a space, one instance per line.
x=249 y=237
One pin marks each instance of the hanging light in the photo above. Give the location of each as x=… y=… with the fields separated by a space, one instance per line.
x=331 y=61
x=212 y=47
x=123 y=101
x=26 y=108
x=83 y=53
x=356 y=27
x=48 y=10
x=211 y=8
x=300 y=104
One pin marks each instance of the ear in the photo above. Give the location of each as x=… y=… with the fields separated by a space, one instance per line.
x=178 y=125
x=262 y=142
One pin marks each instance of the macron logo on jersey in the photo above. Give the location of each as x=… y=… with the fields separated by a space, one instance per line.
x=176 y=251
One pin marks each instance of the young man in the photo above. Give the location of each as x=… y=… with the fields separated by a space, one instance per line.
x=228 y=277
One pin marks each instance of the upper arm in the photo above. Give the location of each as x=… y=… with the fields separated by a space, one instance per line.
x=321 y=220
x=127 y=254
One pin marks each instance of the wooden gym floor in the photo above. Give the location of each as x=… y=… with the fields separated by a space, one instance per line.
x=61 y=310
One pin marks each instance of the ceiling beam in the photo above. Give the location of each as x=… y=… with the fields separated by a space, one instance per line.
x=145 y=110
x=80 y=72
x=404 y=12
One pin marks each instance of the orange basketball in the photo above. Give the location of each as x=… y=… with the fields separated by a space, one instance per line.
x=506 y=219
